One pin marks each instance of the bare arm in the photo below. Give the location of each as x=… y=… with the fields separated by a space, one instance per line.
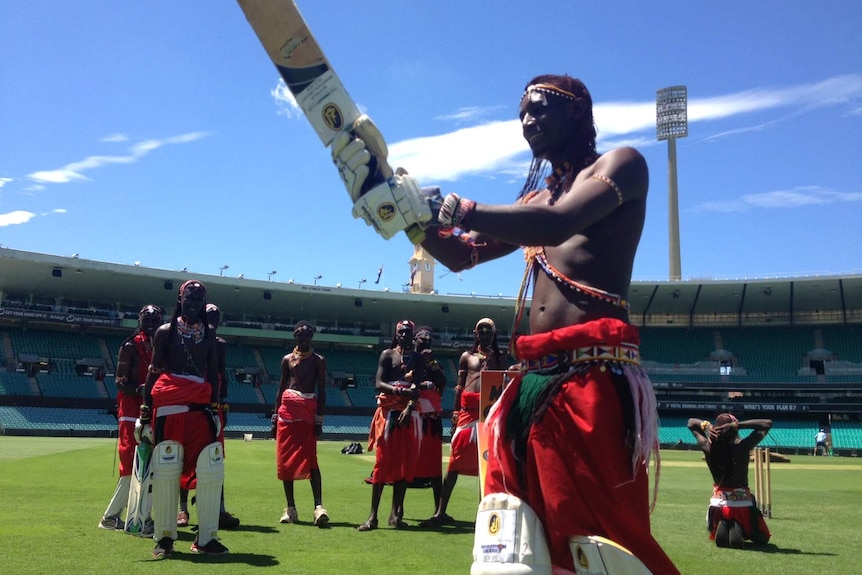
x=284 y=381
x=588 y=201
x=459 y=253
x=698 y=428
x=125 y=358
x=321 y=386
x=759 y=427
x=462 y=379
x=159 y=363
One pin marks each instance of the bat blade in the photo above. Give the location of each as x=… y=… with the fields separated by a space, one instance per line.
x=302 y=65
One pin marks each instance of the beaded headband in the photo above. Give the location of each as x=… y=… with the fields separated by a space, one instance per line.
x=150 y=310
x=486 y=321
x=550 y=89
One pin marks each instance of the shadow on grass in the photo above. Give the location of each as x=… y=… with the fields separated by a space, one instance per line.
x=252 y=559
x=775 y=549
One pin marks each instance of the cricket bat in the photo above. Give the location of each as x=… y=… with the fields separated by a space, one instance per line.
x=311 y=79
x=140 y=498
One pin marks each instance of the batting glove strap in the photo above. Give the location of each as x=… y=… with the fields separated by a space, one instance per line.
x=456 y=212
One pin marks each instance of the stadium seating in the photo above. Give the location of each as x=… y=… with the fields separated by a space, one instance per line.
x=15 y=383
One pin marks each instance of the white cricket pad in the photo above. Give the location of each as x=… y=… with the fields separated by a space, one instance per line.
x=594 y=555
x=210 y=478
x=509 y=538
x=120 y=497
x=167 y=466
x=140 y=497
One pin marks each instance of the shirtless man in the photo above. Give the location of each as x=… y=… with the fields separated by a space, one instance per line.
x=134 y=358
x=464 y=457
x=571 y=439
x=298 y=421
x=395 y=424
x=733 y=515
x=182 y=384
x=226 y=520
x=429 y=470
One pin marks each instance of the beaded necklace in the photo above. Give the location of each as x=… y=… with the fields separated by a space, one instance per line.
x=195 y=334
x=195 y=330
x=300 y=355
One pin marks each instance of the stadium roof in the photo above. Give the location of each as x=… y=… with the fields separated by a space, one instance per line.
x=39 y=277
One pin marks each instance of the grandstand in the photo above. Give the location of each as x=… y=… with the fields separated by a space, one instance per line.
x=785 y=349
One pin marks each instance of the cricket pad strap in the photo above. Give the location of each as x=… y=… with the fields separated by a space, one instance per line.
x=594 y=555
x=509 y=538
x=167 y=466
x=210 y=478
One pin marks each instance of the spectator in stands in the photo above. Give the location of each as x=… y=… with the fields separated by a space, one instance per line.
x=395 y=424
x=182 y=384
x=429 y=468
x=298 y=422
x=820 y=443
x=733 y=515
x=464 y=457
x=133 y=360
x=225 y=520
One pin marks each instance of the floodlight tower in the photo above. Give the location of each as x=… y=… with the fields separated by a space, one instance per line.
x=671 y=122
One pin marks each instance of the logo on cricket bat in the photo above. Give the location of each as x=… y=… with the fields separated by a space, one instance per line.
x=332 y=117
x=386 y=211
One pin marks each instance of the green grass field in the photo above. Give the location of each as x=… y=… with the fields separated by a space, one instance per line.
x=53 y=491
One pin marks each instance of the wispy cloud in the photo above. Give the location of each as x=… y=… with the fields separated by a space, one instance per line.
x=115 y=138
x=16 y=217
x=22 y=217
x=469 y=114
x=801 y=196
x=492 y=148
x=4 y=181
x=285 y=103
x=75 y=171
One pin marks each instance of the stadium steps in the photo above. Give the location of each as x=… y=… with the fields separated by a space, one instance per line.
x=8 y=352
x=107 y=356
x=258 y=358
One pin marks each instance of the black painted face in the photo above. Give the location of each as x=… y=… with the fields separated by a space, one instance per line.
x=546 y=121
x=404 y=336
x=213 y=316
x=486 y=335
x=303 y=337
x=192 y=301
x=423 y=340
x=150 y=320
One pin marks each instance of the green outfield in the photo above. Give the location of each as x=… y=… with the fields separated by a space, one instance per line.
x=53 y=491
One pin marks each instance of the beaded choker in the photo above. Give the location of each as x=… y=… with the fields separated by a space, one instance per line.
x=300 y=355
x=194 y=330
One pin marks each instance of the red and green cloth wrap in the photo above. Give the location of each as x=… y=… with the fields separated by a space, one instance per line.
x=464 y=458
x=736 y=504
x=397 y=447
x=296 y=442
x=578 y=472
x=192 y=428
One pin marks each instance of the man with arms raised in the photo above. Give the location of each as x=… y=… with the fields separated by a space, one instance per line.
x=570 y=440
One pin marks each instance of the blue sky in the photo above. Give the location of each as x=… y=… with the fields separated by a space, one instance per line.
x=157 y=132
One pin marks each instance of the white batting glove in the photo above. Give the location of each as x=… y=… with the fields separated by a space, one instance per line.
x=356 y=157
x=394 y=205
x=144 y=431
